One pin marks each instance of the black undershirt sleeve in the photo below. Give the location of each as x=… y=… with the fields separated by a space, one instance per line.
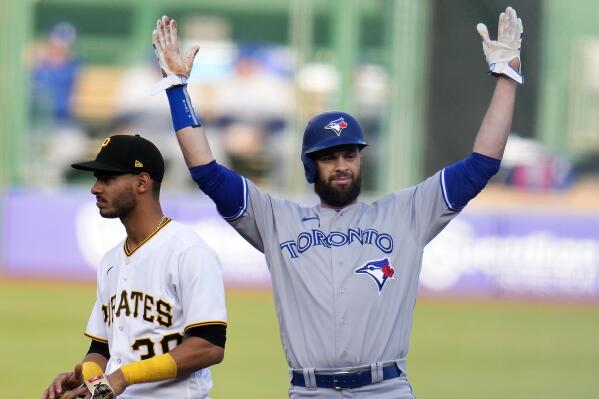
x=100 y=348
x=215 y=333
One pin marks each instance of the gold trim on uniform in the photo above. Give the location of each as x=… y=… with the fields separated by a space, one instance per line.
x=104 y=341
x=205 y=323
x=162 y=223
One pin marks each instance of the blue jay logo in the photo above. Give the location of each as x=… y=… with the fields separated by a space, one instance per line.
x=380 y=271
x=337 y=126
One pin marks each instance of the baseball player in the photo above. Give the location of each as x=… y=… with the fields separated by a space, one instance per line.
x=345 y=273
x=159 y=319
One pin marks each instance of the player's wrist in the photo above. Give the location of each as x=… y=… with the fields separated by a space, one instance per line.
x=182 y=111
x=117 y=381
x=506 y=71
x=91 y=369
x=168 y=81
x=507 y=79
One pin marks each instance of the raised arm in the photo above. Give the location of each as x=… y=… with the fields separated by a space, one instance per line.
x=463 y=180
x=176 y=69
x=226 y=188
x=503 y=56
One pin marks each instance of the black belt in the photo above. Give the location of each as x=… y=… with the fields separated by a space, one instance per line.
x=345 y=379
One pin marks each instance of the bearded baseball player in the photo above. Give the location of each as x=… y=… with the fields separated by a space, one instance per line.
x=159 y=320
x=345 y=273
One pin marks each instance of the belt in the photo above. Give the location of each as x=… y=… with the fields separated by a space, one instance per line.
x=346 y=378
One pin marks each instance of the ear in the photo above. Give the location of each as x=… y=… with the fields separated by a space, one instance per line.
x=144 y=183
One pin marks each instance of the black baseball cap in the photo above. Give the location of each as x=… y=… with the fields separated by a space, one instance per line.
x=122 y=154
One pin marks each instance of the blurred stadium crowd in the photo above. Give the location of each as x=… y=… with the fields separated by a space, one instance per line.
x=246 y=94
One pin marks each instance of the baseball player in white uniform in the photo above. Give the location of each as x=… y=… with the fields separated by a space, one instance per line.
x=159 y=320
x=345 y=273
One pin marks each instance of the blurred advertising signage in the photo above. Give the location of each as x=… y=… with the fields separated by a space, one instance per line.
x=62 y=236
x=480 y=253
x=515 y=254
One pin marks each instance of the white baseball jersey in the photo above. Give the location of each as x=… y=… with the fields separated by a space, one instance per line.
x=345 y=281
x=147 y=298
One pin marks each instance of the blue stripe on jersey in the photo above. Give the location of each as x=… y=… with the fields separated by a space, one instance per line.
x=226 y=188
x=444 y=190
x=463 y=180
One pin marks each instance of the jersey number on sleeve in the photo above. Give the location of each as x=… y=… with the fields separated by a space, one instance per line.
x=166 y=343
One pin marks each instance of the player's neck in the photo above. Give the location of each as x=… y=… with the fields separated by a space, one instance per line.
x=337 y=208
x=142 y=224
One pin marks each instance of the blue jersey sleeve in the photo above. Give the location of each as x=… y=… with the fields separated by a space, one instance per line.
x=463 y=180
x=226 y=188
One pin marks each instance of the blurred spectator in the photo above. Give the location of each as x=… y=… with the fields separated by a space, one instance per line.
x=254 y=103
x=256 y=91
x=56 y=139
x=528 y=165
x=54 y=73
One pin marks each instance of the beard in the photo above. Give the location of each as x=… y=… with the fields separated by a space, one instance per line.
x=338 y=197
x=121 y=206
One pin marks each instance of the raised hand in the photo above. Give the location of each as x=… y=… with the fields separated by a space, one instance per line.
x=175 y=66
x=503 y=54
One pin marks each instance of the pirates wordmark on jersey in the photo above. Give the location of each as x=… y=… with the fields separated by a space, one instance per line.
x=138 y=304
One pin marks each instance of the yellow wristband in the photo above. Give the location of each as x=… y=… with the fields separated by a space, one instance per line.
x=158 y=368
x=91 y=369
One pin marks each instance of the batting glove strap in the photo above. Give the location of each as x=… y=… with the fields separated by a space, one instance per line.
x=99 y=387
x=168 y=82
x=502 y=68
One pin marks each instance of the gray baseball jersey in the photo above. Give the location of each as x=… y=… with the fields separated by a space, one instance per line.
x=149 y=297
x=345 y=281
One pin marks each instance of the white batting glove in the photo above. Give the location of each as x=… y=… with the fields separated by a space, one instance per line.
x=507 y=46
x=174 y=66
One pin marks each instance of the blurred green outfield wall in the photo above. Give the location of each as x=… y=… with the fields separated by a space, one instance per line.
x=126 y=35
x=569 y=94
x=14 y=34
